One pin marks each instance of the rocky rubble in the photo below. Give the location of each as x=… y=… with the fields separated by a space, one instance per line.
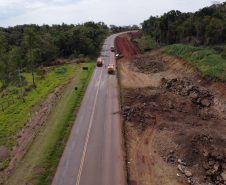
x=198 y=95
x=139 y=113
x=185 y=110
x=212 y=162
x=215 y=167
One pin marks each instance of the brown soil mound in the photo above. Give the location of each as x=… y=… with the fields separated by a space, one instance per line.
x=125 y=46
x=145 y=64
x=136 y=35
x=175 y=130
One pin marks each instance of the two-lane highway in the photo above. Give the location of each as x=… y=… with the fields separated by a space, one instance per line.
x=94 y=151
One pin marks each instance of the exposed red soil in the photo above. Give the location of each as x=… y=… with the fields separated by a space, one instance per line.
x=39 y=169
x=136 y=35
x=125 y=46
x=4 y=152
x=32 y=181
x=175 y=126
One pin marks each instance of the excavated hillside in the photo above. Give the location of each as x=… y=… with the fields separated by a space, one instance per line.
x=174 y=121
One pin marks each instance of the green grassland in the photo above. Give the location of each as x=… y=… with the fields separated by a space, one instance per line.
x=17 y=115
x=47 y=147
x=211 y=64
x=147 y=44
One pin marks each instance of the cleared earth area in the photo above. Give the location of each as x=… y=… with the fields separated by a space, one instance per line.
x=174 y=119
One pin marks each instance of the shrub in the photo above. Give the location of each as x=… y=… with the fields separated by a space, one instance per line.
x=223 y=55
x=81 y=56
x=11 y=141
x=4 y=93
x=24 y=83
x=29 y=88
x=82 y=60
x=24 y=92
x=5 y=164
x=15 y=90
x=41 y=72
x=61 y=70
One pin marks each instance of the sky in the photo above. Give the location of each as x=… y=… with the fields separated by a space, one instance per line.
x=116 y=12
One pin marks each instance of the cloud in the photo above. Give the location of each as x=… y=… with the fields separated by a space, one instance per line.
x=117 y=12
x=12 y=8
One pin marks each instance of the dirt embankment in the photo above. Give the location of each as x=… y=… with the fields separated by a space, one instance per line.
x=38 y=117
x=175 y=122
x=126 y=47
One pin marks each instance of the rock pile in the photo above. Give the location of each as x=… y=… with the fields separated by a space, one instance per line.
x=198 y=95
x=215 y=167
x=138 y=113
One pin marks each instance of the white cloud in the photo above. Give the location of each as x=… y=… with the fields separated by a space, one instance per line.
x=117 y=12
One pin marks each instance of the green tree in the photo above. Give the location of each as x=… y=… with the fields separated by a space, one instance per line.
x=15 y=59
x=30 y=40
x=4 y=63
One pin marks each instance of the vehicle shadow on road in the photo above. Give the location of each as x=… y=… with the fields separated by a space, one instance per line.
x=113 y=73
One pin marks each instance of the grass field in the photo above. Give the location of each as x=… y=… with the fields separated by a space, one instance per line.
x=15 y=117
x=209 y=62
x=47 y=146
x=147 y=44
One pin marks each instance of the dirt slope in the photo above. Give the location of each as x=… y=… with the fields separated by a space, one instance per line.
x=175 y=122
x=125 y=46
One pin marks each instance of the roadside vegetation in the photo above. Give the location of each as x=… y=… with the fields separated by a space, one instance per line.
x=16 y=116
x=210 y=64
x=147 y=44
x=40 y=158
x=51 y=162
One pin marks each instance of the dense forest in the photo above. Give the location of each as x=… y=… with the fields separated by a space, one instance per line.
x=205 y=27
x=28 y=45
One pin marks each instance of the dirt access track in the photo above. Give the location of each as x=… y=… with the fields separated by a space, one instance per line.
x=174 y=121
x=126 y=47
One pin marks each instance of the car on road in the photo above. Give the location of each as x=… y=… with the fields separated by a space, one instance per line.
x=117 y=55
x=112 y=48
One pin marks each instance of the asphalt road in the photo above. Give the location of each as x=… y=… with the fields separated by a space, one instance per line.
x=94 y=152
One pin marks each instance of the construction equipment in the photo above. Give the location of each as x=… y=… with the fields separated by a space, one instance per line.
x=99 y=62
x=112 y=49
x=110 y=68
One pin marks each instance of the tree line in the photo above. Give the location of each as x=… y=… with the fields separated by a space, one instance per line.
x=204 y=27
x=28 y=45
x=117 y=29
